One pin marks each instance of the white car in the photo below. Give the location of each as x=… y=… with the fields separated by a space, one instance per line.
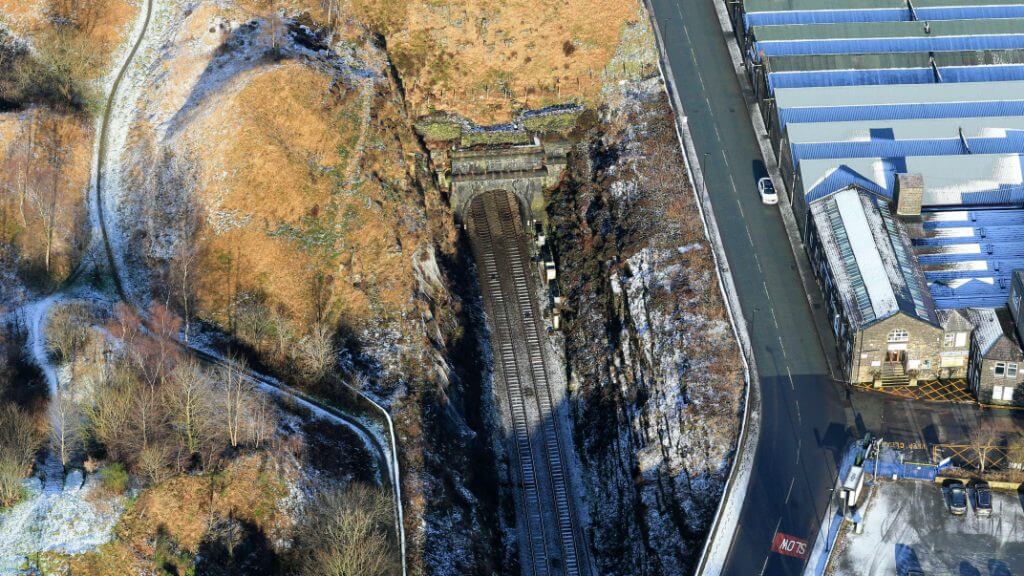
x=766 y=190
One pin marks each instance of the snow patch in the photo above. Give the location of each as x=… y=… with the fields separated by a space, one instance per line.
x=70 y=519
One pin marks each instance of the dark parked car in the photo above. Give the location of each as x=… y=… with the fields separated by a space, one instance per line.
x=982 y=499
x=957 y=497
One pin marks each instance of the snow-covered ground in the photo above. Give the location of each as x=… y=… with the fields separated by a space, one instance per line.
x=56 y=516
x=907 y=526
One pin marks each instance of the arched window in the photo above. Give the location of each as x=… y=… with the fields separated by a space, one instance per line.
x=898 y=335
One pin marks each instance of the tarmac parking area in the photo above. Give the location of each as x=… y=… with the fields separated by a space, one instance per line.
x=908 y=526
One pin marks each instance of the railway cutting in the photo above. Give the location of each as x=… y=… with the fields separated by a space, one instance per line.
x=551 y=542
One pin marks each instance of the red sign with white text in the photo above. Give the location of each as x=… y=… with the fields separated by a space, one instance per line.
x=789 y=545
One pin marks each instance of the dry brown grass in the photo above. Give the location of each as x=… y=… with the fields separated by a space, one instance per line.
x=485 y=59
x=29 y=18
x=23 y=17
x=290 y=143
x=183 y=509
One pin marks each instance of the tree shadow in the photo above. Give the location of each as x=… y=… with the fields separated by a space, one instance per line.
x=906 y=560
x=967 y=569
x=228 y=62
x=234 y=547
x=999 y=568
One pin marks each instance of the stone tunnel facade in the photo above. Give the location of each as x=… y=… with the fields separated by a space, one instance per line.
x=524 y=170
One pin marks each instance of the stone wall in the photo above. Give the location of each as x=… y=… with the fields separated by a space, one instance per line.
x=523 y=170
x=923 y=348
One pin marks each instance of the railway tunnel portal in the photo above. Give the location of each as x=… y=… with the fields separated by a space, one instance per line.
x=523 y=170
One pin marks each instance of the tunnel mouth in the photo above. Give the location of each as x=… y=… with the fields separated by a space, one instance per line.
x=476 y=205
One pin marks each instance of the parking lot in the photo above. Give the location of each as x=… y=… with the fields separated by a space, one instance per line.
x=908 y=526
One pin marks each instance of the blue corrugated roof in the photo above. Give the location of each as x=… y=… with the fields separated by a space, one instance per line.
x=879 y=15
x=973 y=295
x=882 y=147
x=902 y=111
x=858 y=45
x=822 y=78
x=997 y=247
x=844 y=177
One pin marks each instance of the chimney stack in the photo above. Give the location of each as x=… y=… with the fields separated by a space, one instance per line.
x=908 y=195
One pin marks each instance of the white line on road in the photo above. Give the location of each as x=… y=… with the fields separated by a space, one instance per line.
x=790 y=491
x=767 y=556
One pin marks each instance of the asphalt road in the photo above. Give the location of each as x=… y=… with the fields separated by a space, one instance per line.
x=807 y=418
x=805 y=422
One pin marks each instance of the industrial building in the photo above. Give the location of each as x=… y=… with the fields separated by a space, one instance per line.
x=899 y=129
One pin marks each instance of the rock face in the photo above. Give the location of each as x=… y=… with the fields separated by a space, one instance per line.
x=653 y=367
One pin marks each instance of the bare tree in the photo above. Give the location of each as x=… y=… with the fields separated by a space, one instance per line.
x=66 y=424
x=350 y=534
x=20 y=160
x=1015 y=451
x=66 y=59
x=188 y=398
x=270 y=10
x=238 y=397
x=83 y=15
x=182 y=271
x=317 y=351
x=67 y=331
x=982 y=440
x=334 y=9
x=19 y=441
x=110 y=417
x=262 y=420
x=253 y=322
x=55 y=142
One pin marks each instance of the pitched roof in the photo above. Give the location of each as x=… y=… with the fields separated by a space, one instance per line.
x=873 y=267
x=993 y=333
x=954 y=321
x=880 y=60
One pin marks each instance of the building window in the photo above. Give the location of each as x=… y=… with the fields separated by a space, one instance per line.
x=961 y=339
x=1011 y=370
x=898 y=335
x=948 y=339
x=1000 y=369
x=1004 y=393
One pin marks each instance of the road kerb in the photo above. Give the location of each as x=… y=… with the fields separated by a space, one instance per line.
x=725 y=523
x=785 y=207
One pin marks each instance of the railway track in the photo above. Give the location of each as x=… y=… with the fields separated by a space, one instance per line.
x=547 y=514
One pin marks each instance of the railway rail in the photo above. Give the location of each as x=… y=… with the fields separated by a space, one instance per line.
x=552 y=537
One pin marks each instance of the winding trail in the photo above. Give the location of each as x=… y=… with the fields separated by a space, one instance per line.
x=387 y=457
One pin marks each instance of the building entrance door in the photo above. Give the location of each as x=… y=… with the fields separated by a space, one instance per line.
x=895 y=356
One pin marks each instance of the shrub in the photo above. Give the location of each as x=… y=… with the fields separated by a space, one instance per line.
x=350 y=533
x=114 y=478
x=19 y=441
